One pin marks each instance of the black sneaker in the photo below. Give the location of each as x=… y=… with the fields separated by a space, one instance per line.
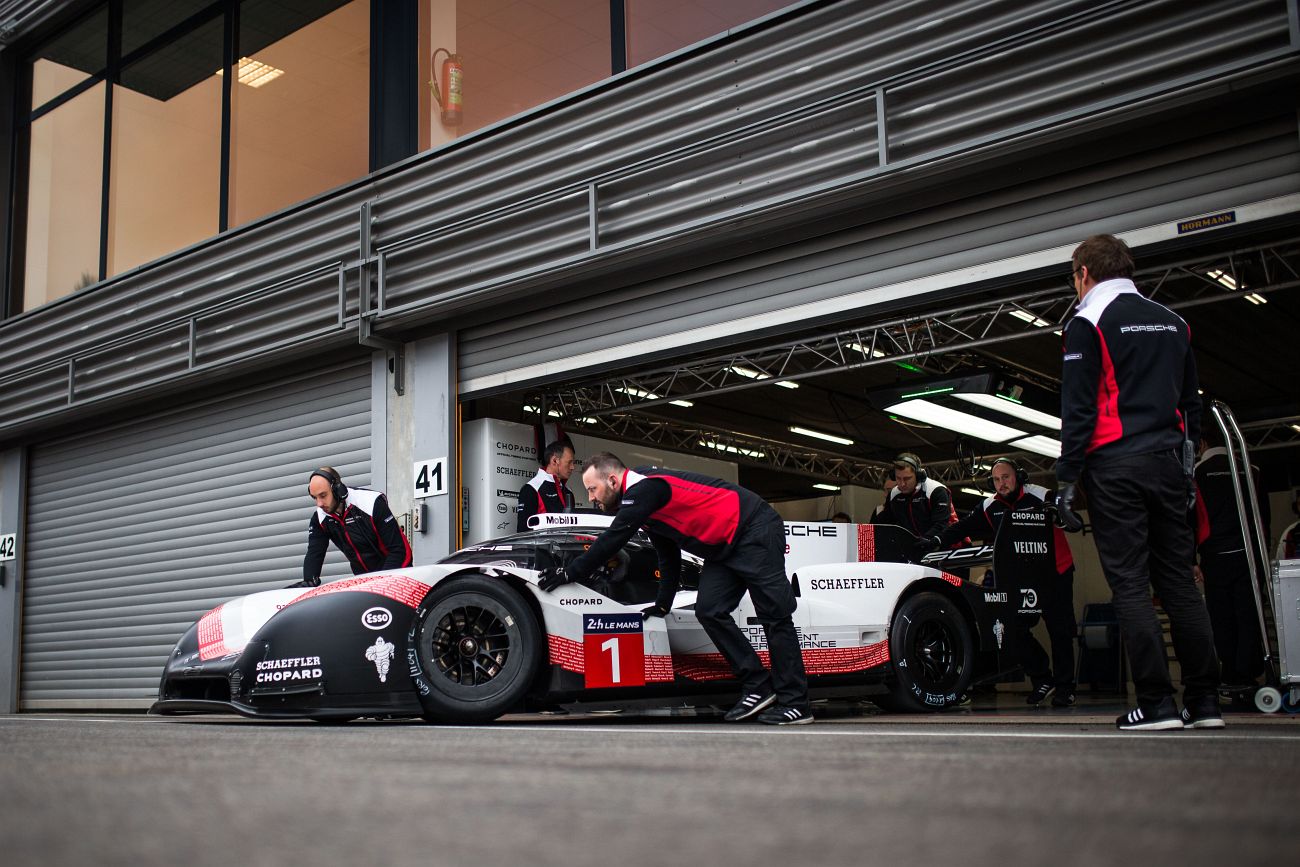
x=1063 y=698
x=1203 y=713
x=1160 y=718
x=785 y=716
x=1040 y=694
x=749 y=705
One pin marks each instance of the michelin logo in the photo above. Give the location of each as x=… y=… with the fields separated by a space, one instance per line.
x=381 y=654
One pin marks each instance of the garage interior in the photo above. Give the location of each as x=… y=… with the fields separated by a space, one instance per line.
x=1236 y=289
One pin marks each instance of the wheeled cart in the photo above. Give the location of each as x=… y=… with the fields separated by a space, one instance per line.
x=1281 y=689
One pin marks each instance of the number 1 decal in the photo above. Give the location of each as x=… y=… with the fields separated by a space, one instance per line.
x=612 y=646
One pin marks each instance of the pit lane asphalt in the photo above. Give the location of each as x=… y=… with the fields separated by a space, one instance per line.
x=993 y=789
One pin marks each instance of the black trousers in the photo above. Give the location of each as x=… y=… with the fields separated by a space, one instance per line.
x=1138 y=506
x=1056 y=597
x=757 y=565
x=1233 y=615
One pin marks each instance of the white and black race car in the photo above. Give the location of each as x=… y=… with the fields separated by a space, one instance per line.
x=472 y=637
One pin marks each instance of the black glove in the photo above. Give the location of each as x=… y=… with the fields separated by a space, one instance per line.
x=1066 y=517
x=655 y=610
x=552 y=577
x=925 y=545
x=306 y=582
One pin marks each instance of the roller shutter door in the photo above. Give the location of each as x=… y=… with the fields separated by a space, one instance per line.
x=136 y=529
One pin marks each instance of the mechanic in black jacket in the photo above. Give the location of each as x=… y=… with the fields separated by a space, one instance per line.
x=359 y=523
x=916 y=502
x=548 y=491
x=1224 y=567
x=742 y=542
x=1128 y=404
x=1013 y=493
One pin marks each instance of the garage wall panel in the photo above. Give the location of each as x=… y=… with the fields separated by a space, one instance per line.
x=136 y=530
x=1005 y=211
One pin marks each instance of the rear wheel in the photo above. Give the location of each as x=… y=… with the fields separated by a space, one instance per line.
x=931 y=654
x=473 y=649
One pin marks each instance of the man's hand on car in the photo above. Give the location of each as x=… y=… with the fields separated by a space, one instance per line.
x=925 y=545
x=655 y=610
x=1066 y=517
x=552 y=577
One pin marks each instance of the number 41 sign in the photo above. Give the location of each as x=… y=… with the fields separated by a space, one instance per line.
x=430 y=478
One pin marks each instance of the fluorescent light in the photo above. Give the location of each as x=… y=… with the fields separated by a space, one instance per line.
x=962 y=422
x=254 y=73
x=975 y=491
x=1026 y=316
x=636 y=392
x=874 y=353
x=821 y=487
x=1296 y=428
x=821 y=436
x=730 y=449
x=1012 y=408
x=589 y=420
x=1223 y=278
x=686 y=403
x=1256 y=298
x=749 y=373
x=1040 y=445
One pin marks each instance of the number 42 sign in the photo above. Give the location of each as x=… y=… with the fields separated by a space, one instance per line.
x=430 y=478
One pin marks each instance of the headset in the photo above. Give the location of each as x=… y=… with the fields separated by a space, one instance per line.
x=1022 y=477
x=910 y=460
x=332 y=476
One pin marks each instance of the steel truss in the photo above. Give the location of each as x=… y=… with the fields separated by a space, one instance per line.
x=934 y=342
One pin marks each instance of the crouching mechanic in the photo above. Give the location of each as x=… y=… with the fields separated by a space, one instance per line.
x=359 y=523
x=742 y=542
x=1013 y=493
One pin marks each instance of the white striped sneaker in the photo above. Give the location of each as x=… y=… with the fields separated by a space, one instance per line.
x=1164 y=717
x=749 y=705
x=785 y=716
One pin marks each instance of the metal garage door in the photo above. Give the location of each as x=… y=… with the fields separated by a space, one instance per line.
x=136 y=529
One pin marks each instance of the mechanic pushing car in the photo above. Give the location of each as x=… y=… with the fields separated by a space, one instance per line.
x=358 y=521
x=742 y=542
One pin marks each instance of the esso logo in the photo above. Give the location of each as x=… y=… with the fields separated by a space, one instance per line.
x=376 y=618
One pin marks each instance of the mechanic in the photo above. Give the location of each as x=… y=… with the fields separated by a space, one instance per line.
x=358 y=522
x=548 y=491
x=1224 y=567
x=1130 y=412
x=886 y=489
x=1013 y=493
x=742 y=542
x=1288 y=546
x=917 y=502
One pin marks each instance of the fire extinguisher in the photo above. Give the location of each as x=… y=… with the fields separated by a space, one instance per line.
x=448 y=94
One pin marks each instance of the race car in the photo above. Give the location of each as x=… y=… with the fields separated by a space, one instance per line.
x=472 y=637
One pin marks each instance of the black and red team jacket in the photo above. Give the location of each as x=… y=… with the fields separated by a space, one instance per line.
x=543 y=493
x=682 y=511
x=1128 y=379
x=927 y=511
x=366 y=533
x=983 y=523
x=1218 y=523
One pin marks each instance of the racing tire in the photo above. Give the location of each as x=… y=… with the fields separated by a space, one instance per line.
x=931 y=654
x=473 y=650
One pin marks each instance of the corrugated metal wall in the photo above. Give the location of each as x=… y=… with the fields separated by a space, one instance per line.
x=969 y=222
x=759 y=129
x=136 y=530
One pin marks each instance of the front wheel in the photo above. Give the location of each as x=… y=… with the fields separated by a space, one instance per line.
x=931 y=654
x=473 y=649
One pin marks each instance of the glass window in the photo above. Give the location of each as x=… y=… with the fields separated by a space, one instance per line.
x=659 y=27
x=70 y=58
x=300 y=109
x=143 y=20
x=515 y=55
x=164 y=189
x=64 y=186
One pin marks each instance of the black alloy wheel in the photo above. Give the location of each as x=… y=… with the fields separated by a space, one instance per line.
x=931 y=654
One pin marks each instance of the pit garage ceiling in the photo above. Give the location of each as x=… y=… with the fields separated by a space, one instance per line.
x=1239 y=292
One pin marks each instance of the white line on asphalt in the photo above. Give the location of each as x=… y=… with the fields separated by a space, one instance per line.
x=750 y=730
